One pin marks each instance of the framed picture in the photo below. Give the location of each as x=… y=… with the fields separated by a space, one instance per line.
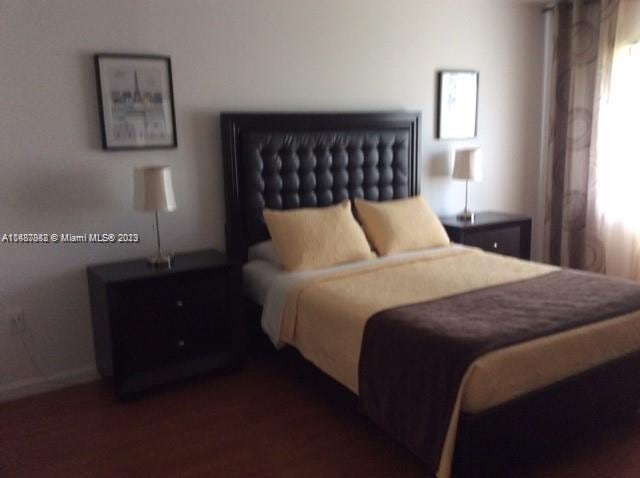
x=457 y=104
x=135 y=94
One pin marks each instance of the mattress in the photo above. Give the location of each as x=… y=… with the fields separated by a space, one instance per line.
x=268 y=285
x=333 y=346
x=257 y=278
x=323 y=315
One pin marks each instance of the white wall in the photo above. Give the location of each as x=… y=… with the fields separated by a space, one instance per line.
x=227 y=55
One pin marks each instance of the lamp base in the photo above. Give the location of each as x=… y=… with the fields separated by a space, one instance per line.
x=466 y=216
x=161 y=261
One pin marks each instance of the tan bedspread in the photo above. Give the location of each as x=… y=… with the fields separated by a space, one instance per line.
x=325 y=318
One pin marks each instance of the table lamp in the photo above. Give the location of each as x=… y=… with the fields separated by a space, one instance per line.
x=153 y=191
x=468 y=167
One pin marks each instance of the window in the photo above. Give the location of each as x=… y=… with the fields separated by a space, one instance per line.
x=618 y=169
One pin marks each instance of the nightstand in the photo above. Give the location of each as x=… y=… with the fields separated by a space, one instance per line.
x=152 y=326
x=508 y=234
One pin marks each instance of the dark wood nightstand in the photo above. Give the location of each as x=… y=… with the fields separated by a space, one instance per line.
x=152 y=326
x=503 y=233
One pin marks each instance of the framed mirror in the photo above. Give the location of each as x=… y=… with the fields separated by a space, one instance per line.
x=457 y=104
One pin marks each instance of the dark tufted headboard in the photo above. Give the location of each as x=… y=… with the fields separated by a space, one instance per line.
x=291 y=160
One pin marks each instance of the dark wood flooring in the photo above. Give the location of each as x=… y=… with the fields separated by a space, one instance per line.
x=270 y=420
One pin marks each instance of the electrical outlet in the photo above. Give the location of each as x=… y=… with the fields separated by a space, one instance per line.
x=17 y=323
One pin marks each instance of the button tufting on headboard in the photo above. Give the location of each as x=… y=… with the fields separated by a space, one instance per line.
x=273 y=161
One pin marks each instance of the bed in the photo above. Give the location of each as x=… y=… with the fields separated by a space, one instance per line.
x=520 y=392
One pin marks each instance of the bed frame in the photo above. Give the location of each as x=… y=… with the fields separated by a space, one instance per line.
x=291 y=160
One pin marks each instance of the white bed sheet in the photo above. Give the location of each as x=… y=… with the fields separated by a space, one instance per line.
x=268 y=285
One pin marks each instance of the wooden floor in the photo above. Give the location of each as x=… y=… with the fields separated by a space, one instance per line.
x=270 y=420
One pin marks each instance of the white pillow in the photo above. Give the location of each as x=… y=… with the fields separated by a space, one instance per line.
x=265 y=251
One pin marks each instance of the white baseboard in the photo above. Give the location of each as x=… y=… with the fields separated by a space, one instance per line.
x=33 y=386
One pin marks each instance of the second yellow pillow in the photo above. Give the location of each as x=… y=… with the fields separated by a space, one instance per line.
x=313 y=238
x=401 y=225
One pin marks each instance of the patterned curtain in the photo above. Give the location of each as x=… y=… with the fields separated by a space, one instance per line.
x=584 y=37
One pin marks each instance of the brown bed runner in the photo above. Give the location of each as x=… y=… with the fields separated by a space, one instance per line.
x=414 y=357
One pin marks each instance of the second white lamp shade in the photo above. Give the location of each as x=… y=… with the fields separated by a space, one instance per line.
x=153 y=189
x=468 y=164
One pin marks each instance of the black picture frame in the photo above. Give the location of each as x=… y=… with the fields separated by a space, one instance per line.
x=122 y=112
x=467 y=107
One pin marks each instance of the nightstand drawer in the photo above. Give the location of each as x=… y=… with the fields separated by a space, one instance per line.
x=502 y=241
x=145 y=355
x=168 y=320
x=503 y=233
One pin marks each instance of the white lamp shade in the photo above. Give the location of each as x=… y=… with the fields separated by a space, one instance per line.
x=153 y=190
x=468 y=165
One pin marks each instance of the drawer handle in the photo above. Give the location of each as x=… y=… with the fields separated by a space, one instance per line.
x=179 y=303
x=495 y=245
x=180 y=344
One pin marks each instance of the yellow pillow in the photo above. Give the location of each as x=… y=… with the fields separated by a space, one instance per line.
x=401 y=225
x=312 y=238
